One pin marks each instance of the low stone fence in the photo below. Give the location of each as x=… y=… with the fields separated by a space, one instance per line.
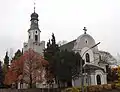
x=31 y=90
x=93 y=88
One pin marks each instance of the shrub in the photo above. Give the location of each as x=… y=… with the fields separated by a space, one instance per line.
x=113 y=85
x=75 y=89
x=91 y=88
x=72 y=90
x=68 y=90
x=107 y=86
x=117 y=84
x=98 y=88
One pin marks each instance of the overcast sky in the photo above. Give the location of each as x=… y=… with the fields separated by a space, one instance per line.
x=65 y=18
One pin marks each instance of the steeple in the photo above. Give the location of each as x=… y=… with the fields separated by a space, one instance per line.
x=34 y=19
x=34 y=15
x=34 y=31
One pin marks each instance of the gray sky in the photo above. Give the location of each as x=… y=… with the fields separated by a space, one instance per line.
x=65 y=18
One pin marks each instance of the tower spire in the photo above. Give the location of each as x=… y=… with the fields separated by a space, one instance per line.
x=34 y=6
x=34 y=15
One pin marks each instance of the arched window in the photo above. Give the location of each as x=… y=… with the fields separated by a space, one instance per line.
x=36 y=38
x=98 y=80
x=29 y=36
x=87 y=58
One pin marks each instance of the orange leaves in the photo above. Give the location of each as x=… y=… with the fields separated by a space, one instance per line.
x=115 y=69
x=13 y=72
x=30 y=55
x=10 y=77
x=49 y=75
x=33 y=66
x=30 y=63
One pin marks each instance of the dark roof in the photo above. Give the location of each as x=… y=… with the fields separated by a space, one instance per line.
x=90 y=66
x=34 y=16
x=68 y=46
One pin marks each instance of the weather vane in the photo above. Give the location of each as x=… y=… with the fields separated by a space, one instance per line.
x=34 y=5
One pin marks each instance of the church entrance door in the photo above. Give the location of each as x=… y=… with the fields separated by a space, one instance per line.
x=98 y=80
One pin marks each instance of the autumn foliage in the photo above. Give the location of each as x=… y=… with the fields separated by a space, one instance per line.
x=29 y=68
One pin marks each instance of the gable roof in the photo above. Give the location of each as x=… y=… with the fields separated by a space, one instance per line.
x=68 y=46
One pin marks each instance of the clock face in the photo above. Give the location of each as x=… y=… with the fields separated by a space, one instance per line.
x=35 y=21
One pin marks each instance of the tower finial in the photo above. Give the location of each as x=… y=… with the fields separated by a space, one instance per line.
x=34 y=6
x=85 y=30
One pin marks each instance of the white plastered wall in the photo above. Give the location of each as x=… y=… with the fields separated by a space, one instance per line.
x=76 y=82
x=102 y=75
x=90 y=52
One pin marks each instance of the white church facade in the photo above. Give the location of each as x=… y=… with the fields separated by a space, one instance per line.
x=94 y=70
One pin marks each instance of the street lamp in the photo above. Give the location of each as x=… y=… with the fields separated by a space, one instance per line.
x=82 y=79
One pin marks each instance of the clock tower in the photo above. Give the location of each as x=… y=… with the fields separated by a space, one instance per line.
x=34 y=35
x=34 y=31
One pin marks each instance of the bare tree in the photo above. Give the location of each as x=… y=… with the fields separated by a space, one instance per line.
x=62 y=42
x=107 y=58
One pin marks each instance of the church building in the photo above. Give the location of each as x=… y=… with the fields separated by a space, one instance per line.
x=94 y=70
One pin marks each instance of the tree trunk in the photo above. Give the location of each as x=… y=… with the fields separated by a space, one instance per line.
x=30 y=84
x=69 y=84
x=58 y=84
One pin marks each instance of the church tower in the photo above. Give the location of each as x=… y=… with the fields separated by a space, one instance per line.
x=34 y=31
x=34 y=35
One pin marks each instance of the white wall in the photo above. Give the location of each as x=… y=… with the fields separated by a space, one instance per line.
x=102 y=75
x=76 y=82
x=90 y=52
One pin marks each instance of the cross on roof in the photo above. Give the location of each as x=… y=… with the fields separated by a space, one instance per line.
x=85 y=30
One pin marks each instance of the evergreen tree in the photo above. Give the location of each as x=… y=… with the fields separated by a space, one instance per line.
x=60 y=61
x=50 y=51
x=5 y=65
x=1 y=76
x=6 y=60
x=69 y=62
x=17 y=54
x=49 y=55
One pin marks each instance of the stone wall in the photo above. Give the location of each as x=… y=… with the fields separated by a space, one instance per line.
x=31 y=90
